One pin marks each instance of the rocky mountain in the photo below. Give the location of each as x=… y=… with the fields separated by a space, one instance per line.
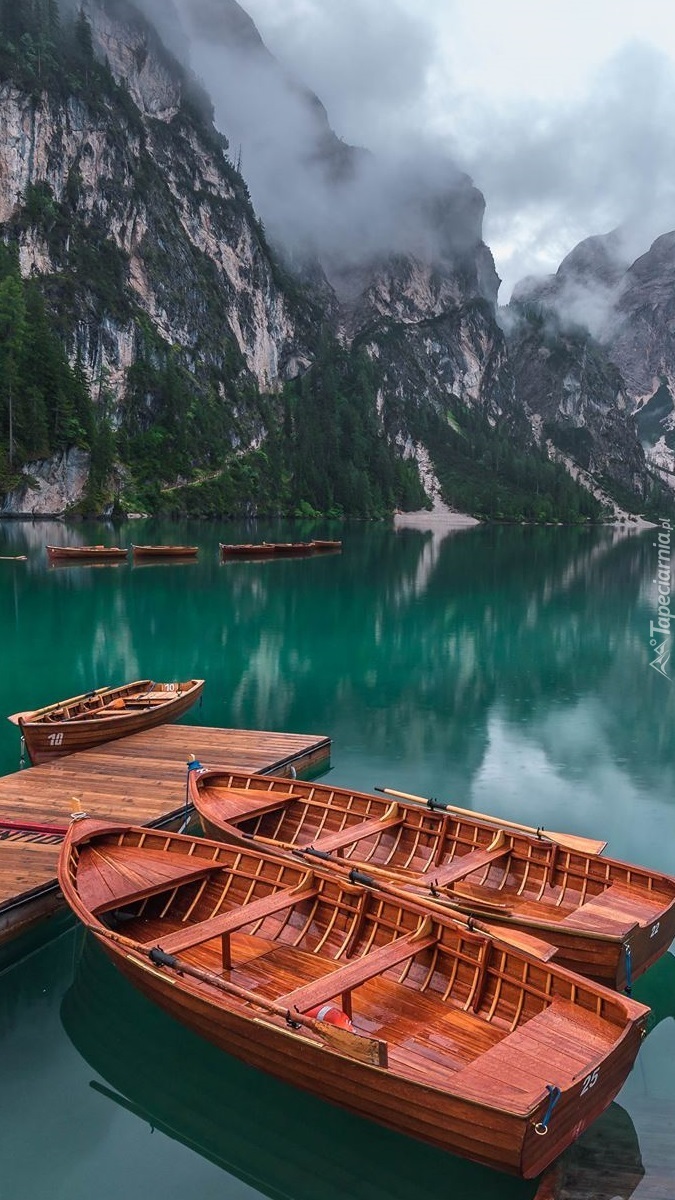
x=345 y=357
x=623 y=314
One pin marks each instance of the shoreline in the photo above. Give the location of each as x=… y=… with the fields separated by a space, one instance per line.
x=435 y=518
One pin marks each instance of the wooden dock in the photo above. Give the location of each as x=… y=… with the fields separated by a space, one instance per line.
x=140 y=779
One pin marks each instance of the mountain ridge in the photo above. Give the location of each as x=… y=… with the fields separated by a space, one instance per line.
x=212 y=348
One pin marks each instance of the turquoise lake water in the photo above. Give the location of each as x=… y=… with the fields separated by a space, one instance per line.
x=504 y=668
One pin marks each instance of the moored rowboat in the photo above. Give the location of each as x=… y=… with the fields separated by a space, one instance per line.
x=103 y=715
x=87 y=553
x=246 y=549
x=265 y=549
x=164 y=551
x=367 y=1000
x=608 y=920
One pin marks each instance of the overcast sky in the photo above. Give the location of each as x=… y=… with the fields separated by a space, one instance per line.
x=562 y=112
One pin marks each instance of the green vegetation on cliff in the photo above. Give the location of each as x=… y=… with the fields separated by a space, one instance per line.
x=44 y=403
x=189 y=430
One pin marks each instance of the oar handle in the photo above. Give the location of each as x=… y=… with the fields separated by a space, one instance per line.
x=568 y=841
x=464 y=812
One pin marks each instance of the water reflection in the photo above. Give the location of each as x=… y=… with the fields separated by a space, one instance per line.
x=606 y=1162
x=504 y=667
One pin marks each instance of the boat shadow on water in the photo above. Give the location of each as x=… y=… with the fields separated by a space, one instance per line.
x=274 y=1137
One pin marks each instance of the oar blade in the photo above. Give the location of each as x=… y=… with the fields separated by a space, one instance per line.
x=578 y=845
x=535 y=946
x=364 y=1049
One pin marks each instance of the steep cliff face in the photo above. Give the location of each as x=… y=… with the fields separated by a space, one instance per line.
x=160 y=192
x=123 y=201
x=578 y=405
x=587 y=346
x=640 y=339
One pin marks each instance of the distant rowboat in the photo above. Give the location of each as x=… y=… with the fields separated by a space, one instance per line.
x=247 y=549
x=607 y=919
x=403 y=1017
x=102 y=716
x=164 y=551
x=86 y=553
x=268 y=549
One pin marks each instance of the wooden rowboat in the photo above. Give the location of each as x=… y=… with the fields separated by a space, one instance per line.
x=270 y=549
x=85 y=553
x=365 y=999
x=247 y=550
x=103 y=715
x=293 y=547
x=608 y=920
x=164 y=551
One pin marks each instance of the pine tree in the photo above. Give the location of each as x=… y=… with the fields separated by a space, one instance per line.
x=12 y=338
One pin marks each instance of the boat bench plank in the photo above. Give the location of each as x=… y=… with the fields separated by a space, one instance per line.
x=230 y=922
x=250 y=802
x=465 y=865
x=349 y=976
x=355 y=833
x=109 y=883
x=552 y=1047
x=610 y=912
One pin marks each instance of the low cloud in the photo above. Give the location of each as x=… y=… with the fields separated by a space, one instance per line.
x=316 y=193
x=552 y=172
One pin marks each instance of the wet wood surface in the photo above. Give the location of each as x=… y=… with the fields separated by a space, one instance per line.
x=141 y=778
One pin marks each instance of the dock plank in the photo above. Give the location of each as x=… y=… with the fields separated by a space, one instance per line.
x=140 y=779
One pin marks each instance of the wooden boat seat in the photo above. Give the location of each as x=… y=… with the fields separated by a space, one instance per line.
x=229 y=922
x=245 y=802
x=556 y=1046
x=459 y=867
x=343 y=979
x=157 y=697
x=355 y=833
x=614 y=911
x=107 y=880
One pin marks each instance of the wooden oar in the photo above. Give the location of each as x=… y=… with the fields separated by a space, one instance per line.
x=378 y=877
x=568 y=841
x=514 y=939
x=365 y=1049
x=13 y=557
x=395 y=875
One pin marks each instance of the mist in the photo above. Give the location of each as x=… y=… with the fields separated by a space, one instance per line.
x=395 y=176
x=318 y=195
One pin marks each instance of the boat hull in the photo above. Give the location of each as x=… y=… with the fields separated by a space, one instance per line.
x=86 y=553
x=46 y=741
x=612 y=939
x=471 y=1129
